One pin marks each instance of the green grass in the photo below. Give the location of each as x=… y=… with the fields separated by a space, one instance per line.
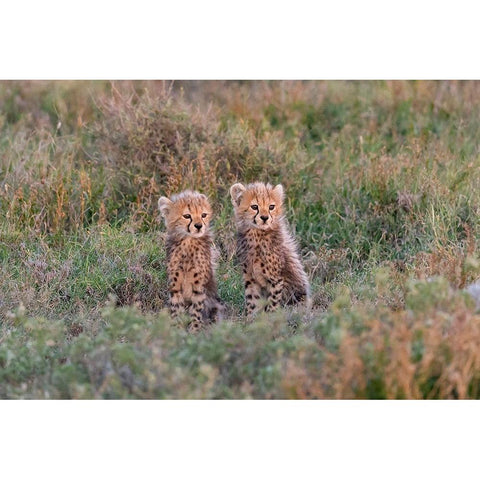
x=382 y=193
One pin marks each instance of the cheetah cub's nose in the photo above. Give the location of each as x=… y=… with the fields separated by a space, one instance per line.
x=198 y=226
x=264 y=218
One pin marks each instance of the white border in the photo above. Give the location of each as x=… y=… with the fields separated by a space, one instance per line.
x=254 y=39
x=239 y=439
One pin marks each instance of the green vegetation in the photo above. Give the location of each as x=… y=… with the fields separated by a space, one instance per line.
x=381 y=181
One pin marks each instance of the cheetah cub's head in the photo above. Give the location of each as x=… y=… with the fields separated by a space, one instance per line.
x=257 y=205
x=186 y=214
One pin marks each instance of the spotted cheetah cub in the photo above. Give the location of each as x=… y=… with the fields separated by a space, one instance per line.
x=190 y=258
x=266 y=250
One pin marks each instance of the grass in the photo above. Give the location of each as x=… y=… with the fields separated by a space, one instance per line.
x=381 y=181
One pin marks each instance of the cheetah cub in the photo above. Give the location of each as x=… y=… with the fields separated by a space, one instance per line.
x=266 y=250
x=190 y=258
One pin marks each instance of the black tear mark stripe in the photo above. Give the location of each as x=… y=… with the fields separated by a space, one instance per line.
x=188 y=227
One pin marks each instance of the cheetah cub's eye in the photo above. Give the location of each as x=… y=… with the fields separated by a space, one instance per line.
x=204 y=215
x=187 y=215
x=271 y=207
x=254 y=207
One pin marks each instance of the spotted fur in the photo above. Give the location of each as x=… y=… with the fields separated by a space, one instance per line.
x=190 y=258
x=267 y=252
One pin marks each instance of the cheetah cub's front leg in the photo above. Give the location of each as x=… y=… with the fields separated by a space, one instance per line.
x=177 y=304
x=252 y=296
x=274 y=294
x=195 y=310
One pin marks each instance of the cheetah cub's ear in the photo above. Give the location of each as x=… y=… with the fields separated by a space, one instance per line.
x=279 y=192
x=164 y=205
x=236 y=192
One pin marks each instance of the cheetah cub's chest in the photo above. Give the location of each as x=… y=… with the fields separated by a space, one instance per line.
x=263 y=257
x=189 y=266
